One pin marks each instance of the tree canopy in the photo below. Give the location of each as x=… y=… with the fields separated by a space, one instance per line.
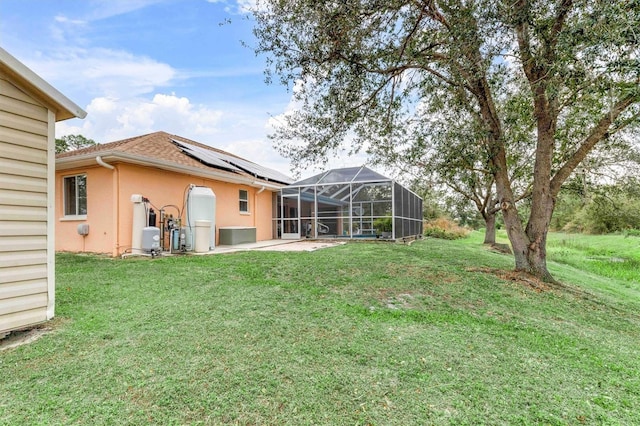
x=72 y=142
x=370 y=72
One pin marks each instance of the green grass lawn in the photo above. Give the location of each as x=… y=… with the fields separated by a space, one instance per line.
x=613 y=256
x=364 y=333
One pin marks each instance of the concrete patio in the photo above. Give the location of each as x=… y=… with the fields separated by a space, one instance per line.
x=276 y=245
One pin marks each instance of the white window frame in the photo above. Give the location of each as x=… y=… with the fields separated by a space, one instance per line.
x=65 y=195
x=243 y=200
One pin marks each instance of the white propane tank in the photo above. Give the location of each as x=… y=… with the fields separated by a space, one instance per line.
x=201 y=205
x=139 y=222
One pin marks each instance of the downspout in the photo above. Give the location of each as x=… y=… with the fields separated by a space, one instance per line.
x=103 y=164
x=263 y=186
x=116 y=204
x=255 y=207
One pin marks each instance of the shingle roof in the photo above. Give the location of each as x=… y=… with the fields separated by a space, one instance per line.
x=154 y=146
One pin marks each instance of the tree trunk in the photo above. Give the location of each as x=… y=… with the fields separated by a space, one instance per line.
x=529 y=246
x=537 y=257
x=517 y=236
x=529 y=249
x=490 y=228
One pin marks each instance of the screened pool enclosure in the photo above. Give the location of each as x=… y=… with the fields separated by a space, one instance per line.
x=353 y=202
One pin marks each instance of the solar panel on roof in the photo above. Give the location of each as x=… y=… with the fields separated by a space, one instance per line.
x=219 y=159
x=207 y=156
x=256 y=169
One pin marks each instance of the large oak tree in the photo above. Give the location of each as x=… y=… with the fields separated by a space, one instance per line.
x=363 y=69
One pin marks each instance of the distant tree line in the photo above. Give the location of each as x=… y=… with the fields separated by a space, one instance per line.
x=591 y=208
x=72 y=143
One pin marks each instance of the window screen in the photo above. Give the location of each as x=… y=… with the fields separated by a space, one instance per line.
x=75 y=195
x=244 y=201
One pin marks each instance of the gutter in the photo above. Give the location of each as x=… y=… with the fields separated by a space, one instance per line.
x=88 y=159
x=264 y=185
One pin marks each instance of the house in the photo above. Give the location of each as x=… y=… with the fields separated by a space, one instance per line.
x=95 y=185
x=29 y=109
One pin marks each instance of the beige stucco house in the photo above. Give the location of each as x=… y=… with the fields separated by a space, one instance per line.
x=95 y=185
x=29 y=109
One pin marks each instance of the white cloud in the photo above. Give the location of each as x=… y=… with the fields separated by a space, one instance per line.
x=232 y=130
x=102 y=9
x=239 y=6
x=64 y=20
x=247 y=5
x=101 y=72
x=111 y=119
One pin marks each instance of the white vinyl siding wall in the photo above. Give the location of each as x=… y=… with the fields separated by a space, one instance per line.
x=26 y=293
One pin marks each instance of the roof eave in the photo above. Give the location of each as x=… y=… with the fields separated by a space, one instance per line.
x=64 y=107
x=84 y=160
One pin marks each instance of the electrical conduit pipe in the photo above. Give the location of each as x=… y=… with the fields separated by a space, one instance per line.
x=116 y=204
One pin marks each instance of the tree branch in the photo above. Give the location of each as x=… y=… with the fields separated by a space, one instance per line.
x=599 y=131
x=434 y=13
x=465 y=194
x=568 y=98
x=558 y=24
x=524 y=41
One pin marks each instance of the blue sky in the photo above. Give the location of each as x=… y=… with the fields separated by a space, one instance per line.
x=139 y=66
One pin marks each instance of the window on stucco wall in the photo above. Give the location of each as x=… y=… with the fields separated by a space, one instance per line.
x=75 y=195
x=244 y=201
